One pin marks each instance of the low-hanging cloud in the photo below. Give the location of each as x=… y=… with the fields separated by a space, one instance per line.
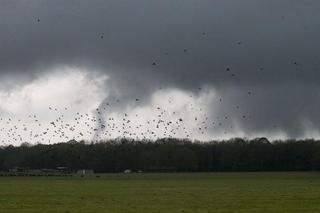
x=260 y=58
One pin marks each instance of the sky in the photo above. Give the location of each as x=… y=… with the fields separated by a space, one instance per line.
x=203 y=70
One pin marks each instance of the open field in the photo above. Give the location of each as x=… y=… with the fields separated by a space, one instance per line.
x=184 y=192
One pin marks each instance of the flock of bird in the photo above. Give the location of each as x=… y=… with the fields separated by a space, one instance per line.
x=103 y=123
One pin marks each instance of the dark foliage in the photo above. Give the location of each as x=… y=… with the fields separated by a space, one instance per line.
x=166 y=155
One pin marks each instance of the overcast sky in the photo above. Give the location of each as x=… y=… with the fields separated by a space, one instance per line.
x=215 y=69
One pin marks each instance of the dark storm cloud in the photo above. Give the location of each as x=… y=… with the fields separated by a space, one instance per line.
x=269 y=48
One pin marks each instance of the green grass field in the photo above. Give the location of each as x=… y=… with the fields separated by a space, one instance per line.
x=186 y=192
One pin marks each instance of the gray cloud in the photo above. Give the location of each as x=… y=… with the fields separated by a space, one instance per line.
x=269 y=47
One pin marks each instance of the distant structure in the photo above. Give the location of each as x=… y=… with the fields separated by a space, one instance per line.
x=26 y=171
x=127 y=171
x=63 y=169
x=85 y=172
x=19 y=169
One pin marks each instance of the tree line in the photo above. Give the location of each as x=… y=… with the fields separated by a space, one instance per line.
x=167 y=155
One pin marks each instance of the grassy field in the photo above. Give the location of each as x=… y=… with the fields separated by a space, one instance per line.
x=190 y=192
